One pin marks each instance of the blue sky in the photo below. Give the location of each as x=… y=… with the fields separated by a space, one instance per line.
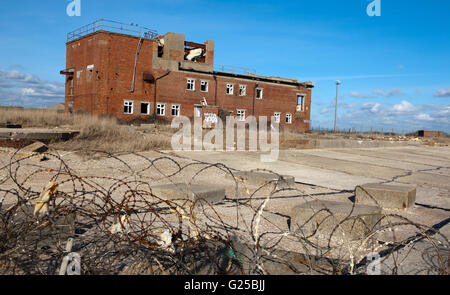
x=395 y=68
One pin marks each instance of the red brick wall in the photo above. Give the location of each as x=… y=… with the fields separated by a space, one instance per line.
x=427 y=133
x=113 y=56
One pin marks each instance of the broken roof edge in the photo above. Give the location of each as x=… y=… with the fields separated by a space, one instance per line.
x=275 y=80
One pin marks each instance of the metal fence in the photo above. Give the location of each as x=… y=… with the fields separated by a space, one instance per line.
x=112 y=26
x=234 y=69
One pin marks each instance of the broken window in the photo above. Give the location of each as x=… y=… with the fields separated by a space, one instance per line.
x=204 y=86
x=259 y=93
x=175 y=110
x=242 y=90
x=70 y=82
x=145 y=108
x=241 y=115
x=161 y=47
x=288 y=118
x=300 y=101
x=190 y=84
x=276 y=117
x=194 y=52
x=230 y=88
x=70 y=107
x=128 y=107
x=161 y=109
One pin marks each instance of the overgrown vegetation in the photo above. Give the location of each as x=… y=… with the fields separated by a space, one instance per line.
x=96 y=133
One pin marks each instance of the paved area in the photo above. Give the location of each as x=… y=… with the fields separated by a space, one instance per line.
x=320 y=174
x=426 y=168
x=333 y=174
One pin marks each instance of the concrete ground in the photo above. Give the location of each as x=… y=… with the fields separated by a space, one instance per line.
x=320 y=174
x=426 y=168
x=333 y=174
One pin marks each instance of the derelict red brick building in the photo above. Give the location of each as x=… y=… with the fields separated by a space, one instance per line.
x=133 y=73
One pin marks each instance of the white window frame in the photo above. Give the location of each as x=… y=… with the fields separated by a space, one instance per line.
x=128 y=103
x=204 y=82
x=262 y=93
x=178 y=107
x=160 y=106
x=230 y=86
x=239 y=114
x=148 y=108
x=191 y=82
x=288 y=118
x=277 y=117
x=244 y=88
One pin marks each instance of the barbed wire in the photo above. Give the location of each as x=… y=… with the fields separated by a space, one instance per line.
x=121 y=226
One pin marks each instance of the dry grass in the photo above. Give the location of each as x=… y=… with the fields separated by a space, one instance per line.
x=37 y=117
x=106 y=134
x=96 y=133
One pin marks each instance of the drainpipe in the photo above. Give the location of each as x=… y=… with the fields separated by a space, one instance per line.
x=141 y=40
x=215 y=90
x=156 y=88
x=254 y=97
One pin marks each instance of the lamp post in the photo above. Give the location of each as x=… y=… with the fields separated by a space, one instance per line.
x=336 y=107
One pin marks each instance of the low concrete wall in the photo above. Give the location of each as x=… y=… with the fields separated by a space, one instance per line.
x=351 y=143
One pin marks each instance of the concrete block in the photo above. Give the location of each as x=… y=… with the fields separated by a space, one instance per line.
x=37 y=147
x=326 y=218
x=210 y=192
x=261 y=177
x=148 y=126
x=386 y=196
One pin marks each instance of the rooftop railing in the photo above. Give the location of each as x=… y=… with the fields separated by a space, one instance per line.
x=113 y=26
x=234 y=69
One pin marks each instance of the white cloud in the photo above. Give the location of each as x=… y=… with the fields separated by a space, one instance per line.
x=374 y=108
x=22 y=89
x=424 y=117
x=442 y=93
x=377 y=92
x=358 y=94
x=402 y=117
x=324 y=110
x=389 y=93
x=403 y=107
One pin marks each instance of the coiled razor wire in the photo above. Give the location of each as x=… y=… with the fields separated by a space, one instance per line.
x=119 y=226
